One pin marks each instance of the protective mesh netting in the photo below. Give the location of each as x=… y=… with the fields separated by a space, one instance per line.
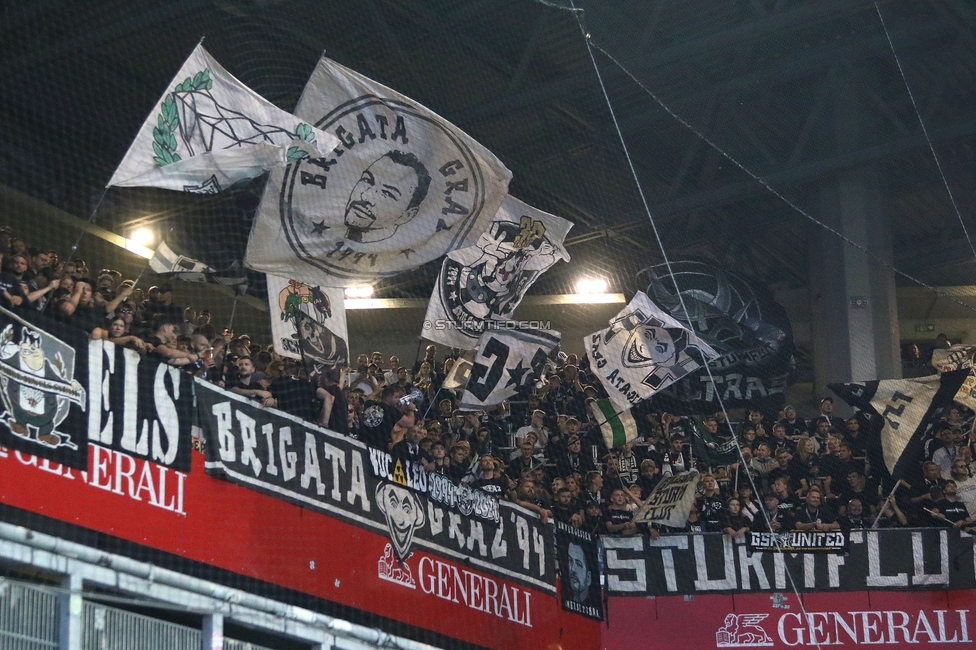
x=792 y=182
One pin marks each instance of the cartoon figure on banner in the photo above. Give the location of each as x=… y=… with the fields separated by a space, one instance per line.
x=742 y=630
x=512 y=256
x=404 y=515
x=37 y=385
x=668 y=350
x=580 y=575
x=310 y=308
x=388 y=195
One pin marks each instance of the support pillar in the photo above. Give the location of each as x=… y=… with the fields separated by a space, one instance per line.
x=213 y=632
x=853 y=304
x=70 y=608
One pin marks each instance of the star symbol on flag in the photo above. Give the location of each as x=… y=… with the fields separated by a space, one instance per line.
x=517 y=374
x=319 y=228
x=406 y=252
x=453 y=295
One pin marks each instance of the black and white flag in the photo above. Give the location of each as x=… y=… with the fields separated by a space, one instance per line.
x=579 y=571
x=460 y=371
x=209 y=131
x=403 y=187
x=643 y=351
x=487 y=281
x=168 y=262
x=908 y=407
x=505 y=361
x=322 y=338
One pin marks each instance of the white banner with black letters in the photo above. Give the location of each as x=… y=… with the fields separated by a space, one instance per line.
x=670 y=501
x=403 y=188
x=643 y=351
x=287 y=458
x=505 y=361
x=487 y=281
x=692 y=563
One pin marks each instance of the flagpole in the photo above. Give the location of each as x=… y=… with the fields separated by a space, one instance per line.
x=233 y=312
x=885 y=504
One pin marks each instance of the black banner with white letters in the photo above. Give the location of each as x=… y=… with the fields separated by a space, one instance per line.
x=156 y=426
x=579 y=571
x=288 y=458
x=903 y=559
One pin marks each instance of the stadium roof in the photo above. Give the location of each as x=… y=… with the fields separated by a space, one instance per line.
x=766 y=80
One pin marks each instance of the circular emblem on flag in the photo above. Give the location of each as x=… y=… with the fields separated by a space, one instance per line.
x=373 y=416
x=401 y=189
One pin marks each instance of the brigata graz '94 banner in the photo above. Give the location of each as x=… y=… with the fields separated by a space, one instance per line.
x=275 y=453
x=915 y=559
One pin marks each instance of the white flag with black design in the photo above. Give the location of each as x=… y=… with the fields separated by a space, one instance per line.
x=487 y=281
x=908 y=407
x=460 y=372
x=959 y=357
x=323 y=339
x=402 y=188
x=643 y=351
x=669 y=503
x=209 y=131
x=505 y=361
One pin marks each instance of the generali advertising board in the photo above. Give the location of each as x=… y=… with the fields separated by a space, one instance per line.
x=246 y=532
x=817 y=620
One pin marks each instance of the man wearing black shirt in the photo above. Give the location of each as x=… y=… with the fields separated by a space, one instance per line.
x=408 y=450
x=329 y=392
x=566 y=510
x=244 y=383
x=491 y=480
x=814 y=515
x=710 y=503
x=779 y=519
x=854 y=519
x=295 y=395
x=951 y=509
x=380 y=417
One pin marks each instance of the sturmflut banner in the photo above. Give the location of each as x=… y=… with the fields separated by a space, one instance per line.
x=670 y=501
x=922 y=559
x=287 y=458
x=402 y=188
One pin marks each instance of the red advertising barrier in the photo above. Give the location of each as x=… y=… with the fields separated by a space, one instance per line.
x=240 y=530
x=840 y=619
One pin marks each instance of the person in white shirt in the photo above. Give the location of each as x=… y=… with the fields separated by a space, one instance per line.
x=536 y=426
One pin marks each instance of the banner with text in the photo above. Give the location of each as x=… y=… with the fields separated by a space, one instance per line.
x=272 y=452
x=579 y=571
x=156 y=426
x=904 y=559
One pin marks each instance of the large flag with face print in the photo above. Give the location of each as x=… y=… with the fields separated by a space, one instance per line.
x=487 y=281
x=908 y=407
x=403 y=188
x=643 y=351
x=505 y=361
x=209 y=131
x=308 y=322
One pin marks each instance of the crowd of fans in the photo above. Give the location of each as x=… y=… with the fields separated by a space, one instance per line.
x=541 y=449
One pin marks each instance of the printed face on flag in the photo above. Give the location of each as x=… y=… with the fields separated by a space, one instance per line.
x=402 y=187
x=488 y=280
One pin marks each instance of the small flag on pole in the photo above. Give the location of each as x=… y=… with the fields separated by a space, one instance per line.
x=617 y=428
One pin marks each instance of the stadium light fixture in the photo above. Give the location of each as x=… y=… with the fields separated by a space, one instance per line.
x=143 y=236
x=591 y=285
x=359 y=292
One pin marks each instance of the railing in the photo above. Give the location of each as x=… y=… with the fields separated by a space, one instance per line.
x=108 y=628
x=28 y=617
